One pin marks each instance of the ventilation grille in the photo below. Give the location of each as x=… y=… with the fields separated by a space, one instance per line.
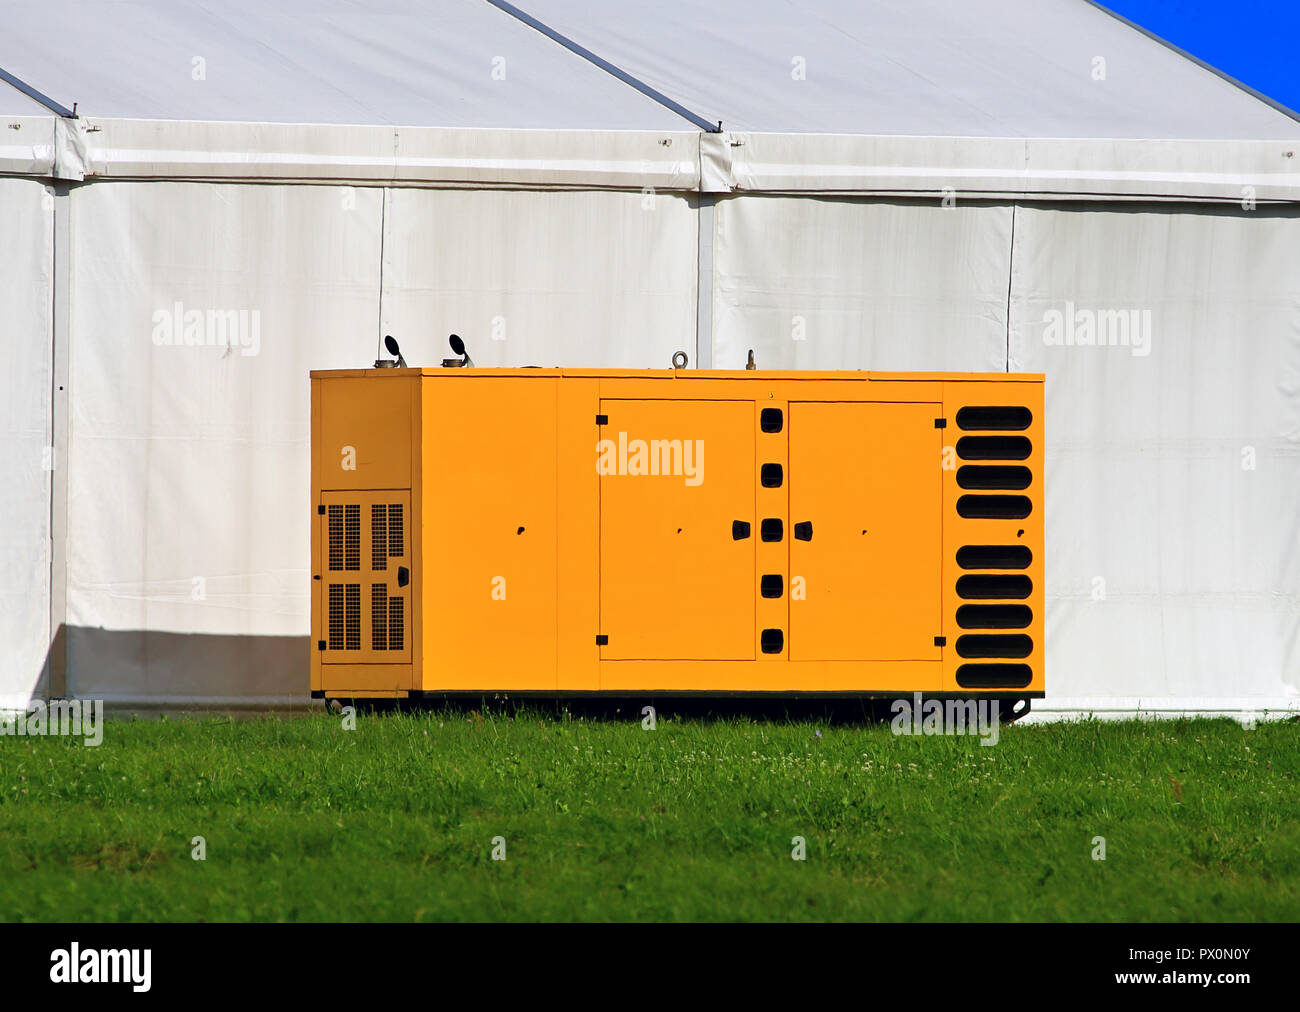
x=998 y=648
x=379 y=616
x=387 y=631
x=343 y=618
x=396 y=540
x=336 y=538
x=352 y=536
x=379 y=536
x=352 y=616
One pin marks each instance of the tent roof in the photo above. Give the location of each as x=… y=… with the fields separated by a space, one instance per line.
x=977 y=68
x=369 y=62
x=980 y=68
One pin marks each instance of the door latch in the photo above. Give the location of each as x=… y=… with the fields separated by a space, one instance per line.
x=403 y=576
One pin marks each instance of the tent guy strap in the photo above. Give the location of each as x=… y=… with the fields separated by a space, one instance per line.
x=606 y=66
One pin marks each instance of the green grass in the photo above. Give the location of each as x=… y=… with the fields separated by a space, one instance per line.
x=606 y=821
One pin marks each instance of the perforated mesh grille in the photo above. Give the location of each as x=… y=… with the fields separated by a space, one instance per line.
x=379 y=616
x=396 y=539
x=396 y=628
x=378 y=536
x=352 y=616
x=336 y=537
x=352 y=536
x=336 y=616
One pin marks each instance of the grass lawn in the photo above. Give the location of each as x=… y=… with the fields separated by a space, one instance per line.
x=602 y=820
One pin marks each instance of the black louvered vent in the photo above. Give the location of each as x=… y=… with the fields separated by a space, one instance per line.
x=991 y=440
x=993 y=477
x=994 y=676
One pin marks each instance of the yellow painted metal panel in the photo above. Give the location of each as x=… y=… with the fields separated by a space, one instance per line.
x=522 y=553
x=866 y=480
x=364 y=432
x=674 y=581
x=489 y=530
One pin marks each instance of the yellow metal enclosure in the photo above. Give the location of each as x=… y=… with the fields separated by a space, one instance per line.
x=556 y=530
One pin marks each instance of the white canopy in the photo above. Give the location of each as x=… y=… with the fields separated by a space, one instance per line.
x=903 y=184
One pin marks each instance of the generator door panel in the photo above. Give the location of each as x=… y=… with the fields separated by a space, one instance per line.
x=366 y=580
x=677 y=530
x=865 y=483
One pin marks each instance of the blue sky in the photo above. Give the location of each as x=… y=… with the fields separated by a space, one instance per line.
x=1255 y=41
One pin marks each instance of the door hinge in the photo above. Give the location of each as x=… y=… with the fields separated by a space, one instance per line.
x=941 y=641
x=320 y=510
x=601 y=639
x=941 y=423
x=602 y=419
x=320 y=645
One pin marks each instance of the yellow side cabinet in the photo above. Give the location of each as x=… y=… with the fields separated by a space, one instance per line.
x=554 y=531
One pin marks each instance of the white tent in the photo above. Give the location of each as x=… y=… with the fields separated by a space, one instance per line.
x=885 y=184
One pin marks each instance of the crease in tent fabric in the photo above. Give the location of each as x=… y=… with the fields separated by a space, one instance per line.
x=606 y=66
x=1011 y=274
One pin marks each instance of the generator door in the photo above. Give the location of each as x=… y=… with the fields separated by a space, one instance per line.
x=366 y=584
x=677 y=530
x=866 y=493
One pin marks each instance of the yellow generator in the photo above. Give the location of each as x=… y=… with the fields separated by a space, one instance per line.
x=624 y=532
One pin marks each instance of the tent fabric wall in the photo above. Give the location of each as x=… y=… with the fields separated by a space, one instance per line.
x=542 y=277
x=1174 y=576
x=820 y=283
x=1174 y=547
x=355 y=167
x=27 y=280
x=188 y=508
x=188 y=521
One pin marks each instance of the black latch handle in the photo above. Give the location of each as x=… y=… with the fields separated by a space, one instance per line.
x=803 y=530
x=739 y=530
x=403 y=576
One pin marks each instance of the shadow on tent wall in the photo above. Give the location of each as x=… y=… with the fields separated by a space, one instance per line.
x=147 y=670
x=165 y=669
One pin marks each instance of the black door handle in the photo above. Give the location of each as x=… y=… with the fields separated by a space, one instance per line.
x=739 y=530
x=403 y=576
x=803 y=530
